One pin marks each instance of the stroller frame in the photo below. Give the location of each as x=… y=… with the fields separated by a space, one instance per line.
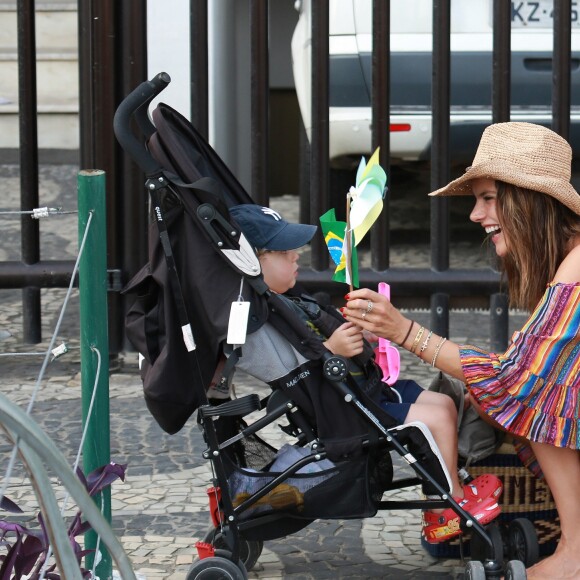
x=408 y=441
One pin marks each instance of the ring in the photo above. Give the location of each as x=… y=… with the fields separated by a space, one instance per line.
x=363 y=314
x=369 y=306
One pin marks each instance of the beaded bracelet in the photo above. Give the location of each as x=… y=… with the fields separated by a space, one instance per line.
x=408 y=333
x=437 y=349
x=417 y=339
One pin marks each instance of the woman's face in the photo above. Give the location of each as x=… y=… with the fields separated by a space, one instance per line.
x=485 y=213
x=280 y=269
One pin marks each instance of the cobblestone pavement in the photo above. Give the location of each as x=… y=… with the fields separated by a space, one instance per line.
x=161 y=510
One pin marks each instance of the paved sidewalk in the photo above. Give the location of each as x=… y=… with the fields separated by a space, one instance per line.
x=161 y=510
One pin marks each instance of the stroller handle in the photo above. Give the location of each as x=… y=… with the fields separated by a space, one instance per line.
x=135 y=105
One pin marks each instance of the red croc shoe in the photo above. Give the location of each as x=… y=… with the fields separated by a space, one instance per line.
x=440 y=527
x=483 y=486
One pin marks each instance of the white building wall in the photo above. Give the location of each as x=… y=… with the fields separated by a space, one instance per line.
x=168 y=49
x=229 y=67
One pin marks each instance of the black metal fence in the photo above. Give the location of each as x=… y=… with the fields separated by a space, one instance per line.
x=112 y=49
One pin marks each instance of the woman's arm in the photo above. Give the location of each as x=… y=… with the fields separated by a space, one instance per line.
x=386 y=321
x=551 y=333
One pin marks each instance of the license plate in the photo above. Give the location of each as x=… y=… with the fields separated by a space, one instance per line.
x=538 y=14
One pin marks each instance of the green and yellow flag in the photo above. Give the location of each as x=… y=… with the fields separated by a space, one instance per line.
x=334 y=236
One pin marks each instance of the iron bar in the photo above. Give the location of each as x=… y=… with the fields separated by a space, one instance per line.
x=440 y=155
x=413 y=282
x=199 y=66
x=501 y=74
x=133 y=203
x=28 y=129
x=498 y=322
x=319 y=151
x=260 y=89
x=44 y=274
x=380 y=232
x=101 y=83
x=561 y=67
x=439 y=306
x=501 y=98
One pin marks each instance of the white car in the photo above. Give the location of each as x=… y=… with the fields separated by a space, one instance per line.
x=350 y=45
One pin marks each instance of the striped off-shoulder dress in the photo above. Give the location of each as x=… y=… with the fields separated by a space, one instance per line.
x=532 y=390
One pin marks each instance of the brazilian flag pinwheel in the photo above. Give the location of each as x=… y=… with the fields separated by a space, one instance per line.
x=364 y=203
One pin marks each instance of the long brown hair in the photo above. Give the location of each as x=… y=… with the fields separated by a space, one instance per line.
x=538 y=230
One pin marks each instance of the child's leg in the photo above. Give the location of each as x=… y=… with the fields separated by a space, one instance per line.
x=438 y=412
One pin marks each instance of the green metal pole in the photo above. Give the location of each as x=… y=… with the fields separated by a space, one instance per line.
x=94 y=345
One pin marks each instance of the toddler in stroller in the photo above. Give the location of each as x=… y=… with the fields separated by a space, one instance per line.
x=276 y=242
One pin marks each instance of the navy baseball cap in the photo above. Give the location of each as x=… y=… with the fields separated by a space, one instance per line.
x=265 y=229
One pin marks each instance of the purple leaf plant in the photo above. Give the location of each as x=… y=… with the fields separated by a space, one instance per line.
x=23 y=551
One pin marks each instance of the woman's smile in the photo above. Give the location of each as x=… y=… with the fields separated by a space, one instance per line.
x=485 y=212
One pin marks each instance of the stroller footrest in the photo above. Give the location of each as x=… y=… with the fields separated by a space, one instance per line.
x=238 y=407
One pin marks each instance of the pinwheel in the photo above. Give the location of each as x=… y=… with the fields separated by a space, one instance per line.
x=364 y=203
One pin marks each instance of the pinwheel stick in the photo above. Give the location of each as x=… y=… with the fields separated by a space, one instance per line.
x=348 y=239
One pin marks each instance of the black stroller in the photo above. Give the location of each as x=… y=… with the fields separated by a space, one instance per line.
x=199 y=264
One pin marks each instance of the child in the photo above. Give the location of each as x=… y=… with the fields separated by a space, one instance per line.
x=276 y=242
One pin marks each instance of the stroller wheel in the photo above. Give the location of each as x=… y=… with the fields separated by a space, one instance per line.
x=215 y=568
x=250 y=550
x=474 y=570
x=523 y=542
x=515 y=570
x=478 y=548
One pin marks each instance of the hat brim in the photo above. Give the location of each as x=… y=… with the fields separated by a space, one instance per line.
x=291 y=237
x=501 y=170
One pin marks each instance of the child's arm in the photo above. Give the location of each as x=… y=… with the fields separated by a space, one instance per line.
x=346 y=340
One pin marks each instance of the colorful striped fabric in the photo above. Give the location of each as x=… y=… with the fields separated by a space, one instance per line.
x=532 y=390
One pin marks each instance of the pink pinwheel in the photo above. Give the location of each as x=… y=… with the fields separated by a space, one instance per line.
x=386 y=355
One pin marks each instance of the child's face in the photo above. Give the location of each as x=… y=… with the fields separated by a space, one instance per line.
x=280 y=269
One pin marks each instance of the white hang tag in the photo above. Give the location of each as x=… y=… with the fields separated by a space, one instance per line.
x=238 y=324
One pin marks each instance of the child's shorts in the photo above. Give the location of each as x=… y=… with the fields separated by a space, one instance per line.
x=407 y=392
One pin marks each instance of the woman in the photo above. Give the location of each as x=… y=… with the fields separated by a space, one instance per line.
x=520 y=178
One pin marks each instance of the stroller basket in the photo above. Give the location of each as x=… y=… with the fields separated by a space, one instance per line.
x=355 y=486
x=306 y=495
x=306 y=479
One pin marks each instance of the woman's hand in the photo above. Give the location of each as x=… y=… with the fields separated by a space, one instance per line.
x=346 y=340
x=375 y=313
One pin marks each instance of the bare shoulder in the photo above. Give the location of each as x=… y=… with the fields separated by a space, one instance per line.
x=569 y=270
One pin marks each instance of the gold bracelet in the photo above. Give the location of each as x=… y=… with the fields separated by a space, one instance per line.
x=437 y=349
x=424 y=345
x=417 y=339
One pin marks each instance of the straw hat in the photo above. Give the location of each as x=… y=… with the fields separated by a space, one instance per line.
x=523 y=154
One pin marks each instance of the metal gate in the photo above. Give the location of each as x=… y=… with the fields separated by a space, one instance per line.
x=112 y=49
